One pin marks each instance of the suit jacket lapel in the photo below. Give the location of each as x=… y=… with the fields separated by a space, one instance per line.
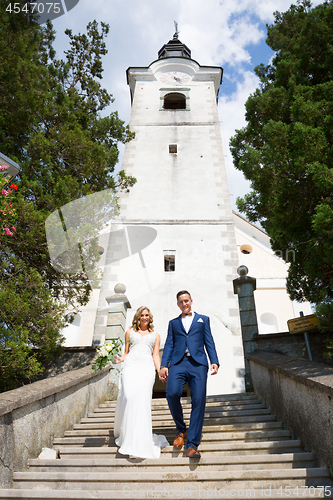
x=181 y=323
x=192 y=324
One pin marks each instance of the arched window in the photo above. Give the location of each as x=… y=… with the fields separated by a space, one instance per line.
x=174 y=100
x=268 y=323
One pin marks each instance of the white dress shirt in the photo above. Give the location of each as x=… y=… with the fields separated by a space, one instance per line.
x=187 y=322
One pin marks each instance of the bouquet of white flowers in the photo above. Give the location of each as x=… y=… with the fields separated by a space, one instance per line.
x=106 y=353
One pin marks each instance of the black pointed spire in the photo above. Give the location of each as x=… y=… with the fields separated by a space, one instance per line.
x=174 y=47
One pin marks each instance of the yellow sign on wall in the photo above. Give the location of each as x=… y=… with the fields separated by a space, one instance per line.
x=303 y=324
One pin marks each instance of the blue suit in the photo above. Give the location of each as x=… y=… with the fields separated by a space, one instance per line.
x=192 y=369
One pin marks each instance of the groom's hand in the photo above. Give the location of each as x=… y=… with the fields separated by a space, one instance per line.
x=163 y=374
x=214 y=369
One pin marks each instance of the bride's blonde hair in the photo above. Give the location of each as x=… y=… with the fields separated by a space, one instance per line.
x=137 y=316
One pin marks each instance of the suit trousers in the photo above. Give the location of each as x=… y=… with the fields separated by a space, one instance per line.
x=188 y=370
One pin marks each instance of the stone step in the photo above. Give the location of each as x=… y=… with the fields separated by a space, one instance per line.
x=211 y=416
x=162 y=404
x=218 y=397
x=236 y=479
x=228 y=433
x=187 y=406
x=213 y=462
x=246 y=426
x=187 y=409
x=208 y=430
x=245 y=454
x=267 y=417
x=99 y=447
x=239 y=396
x=214 y=437
x=197 y=492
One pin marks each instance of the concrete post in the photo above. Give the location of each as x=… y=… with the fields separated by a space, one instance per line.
x=244 y=287
x=115 y=329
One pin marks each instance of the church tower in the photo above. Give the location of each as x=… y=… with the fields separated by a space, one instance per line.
x=177 y=219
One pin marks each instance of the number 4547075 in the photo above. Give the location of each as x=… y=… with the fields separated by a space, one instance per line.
x=34 y=7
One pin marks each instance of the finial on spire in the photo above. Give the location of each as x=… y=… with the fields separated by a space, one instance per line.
x=175 y=36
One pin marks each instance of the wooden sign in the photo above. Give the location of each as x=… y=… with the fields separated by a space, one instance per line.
x=303 y=323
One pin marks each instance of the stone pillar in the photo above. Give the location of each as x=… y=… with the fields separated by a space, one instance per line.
x=115 y=329
x=244 y=287
x=118 y=305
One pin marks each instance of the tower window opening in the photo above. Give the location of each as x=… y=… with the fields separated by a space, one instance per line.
x=173 y=148
x=174 y=53
x=174 y=100
x=169 y=263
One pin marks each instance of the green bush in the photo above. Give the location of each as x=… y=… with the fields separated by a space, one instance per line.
x=324 y=312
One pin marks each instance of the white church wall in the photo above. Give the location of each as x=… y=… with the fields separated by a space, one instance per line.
x=276 y=303
x=80 y=332
x=175 y=185
x=200 y=269
x=302 y=307
x=72 y=332
x=273 y=305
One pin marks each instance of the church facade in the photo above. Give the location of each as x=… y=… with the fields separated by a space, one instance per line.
x=176 y=228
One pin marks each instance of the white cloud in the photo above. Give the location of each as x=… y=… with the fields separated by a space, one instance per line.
x=214 y=33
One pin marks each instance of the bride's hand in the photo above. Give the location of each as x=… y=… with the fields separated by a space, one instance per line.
x=117 y=360
x=163 y=374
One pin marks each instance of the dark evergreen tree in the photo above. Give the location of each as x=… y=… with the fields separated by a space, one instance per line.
x=51 y=123
x=286 y=148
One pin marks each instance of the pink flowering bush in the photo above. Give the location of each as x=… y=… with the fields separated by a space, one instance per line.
x=7 y=212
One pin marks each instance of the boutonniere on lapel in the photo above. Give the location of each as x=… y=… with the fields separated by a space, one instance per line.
x=200 y=320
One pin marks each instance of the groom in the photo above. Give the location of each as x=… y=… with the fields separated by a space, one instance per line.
x=184 y=360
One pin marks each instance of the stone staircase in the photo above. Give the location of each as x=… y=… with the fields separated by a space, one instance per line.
x=245 y=454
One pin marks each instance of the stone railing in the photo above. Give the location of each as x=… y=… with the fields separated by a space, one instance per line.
x=300 y=394
x=32 y=415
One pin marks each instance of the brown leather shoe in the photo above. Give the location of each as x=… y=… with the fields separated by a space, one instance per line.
x=179 y=441
x=192 y=453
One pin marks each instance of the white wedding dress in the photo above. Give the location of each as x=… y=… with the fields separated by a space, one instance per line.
x=133 y=424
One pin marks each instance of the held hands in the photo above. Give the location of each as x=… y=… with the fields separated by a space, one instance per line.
x=163 y=374
x=118 y=359
x=214 y=369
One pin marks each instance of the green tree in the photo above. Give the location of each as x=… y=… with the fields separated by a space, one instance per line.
x=53 y=122
x=324 y=312
x=286 y=148
x=29 y=323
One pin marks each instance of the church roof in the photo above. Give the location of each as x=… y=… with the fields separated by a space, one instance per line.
x=174 y=48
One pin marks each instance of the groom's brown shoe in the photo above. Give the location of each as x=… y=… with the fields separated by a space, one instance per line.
x=192 y=453
x=179 y=441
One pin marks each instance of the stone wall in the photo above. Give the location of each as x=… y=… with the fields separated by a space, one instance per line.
x=32 y=415
x=70 y=358
x=300 y=394
x=293 y=344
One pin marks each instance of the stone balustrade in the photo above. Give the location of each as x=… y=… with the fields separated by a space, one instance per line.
x=300 y=393
x=32 y=415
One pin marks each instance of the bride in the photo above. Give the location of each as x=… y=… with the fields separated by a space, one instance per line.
x=133 y=424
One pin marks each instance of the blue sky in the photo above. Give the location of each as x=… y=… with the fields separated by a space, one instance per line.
x=227 y=33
